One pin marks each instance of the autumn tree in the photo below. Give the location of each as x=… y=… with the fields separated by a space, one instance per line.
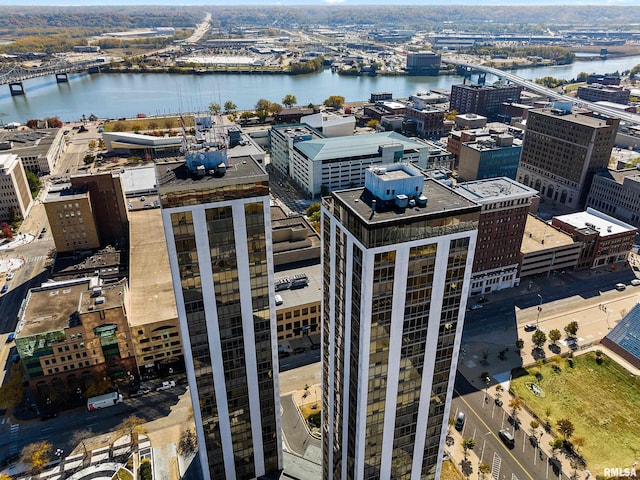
x=12 y=391
x=334 y=101
x=37 y=454
x=53 y=122
x=289 y=100
x=373 y=123
x=32 y=123
x=484 y=469
x=97 y=386
x=515 y=404
x=565 y=427
x=451 y=115
x=6 y=230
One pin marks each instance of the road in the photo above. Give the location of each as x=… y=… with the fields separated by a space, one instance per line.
x=629 y=118
x=483 y=421
x=59 y=430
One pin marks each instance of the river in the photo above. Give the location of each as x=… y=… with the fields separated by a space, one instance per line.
x=125 y=95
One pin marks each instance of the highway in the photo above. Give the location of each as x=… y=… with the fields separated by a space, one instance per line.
x=628 y=118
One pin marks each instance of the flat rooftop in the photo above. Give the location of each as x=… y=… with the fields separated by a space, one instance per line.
x=441 y=201
x=49 y=307
x=65 y=192
x=572 y=117
x=151 y=295
x=494 y=189
x=29 y=143
x=111 y=296
x=602 y=223
x=299 y=296
x=539 y=235
x=239 y=170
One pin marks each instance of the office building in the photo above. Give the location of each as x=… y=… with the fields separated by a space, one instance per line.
x=605 y=240
x=423 y=63
x=71 y=335
x=562 y=151
x=470 y=120
x=38 y=150
x=489 y=156
x=428 y=120
x=482 y=99
x=617 y=193
x=15 y=195
x=70 y=215
x=601 y=93
x=283 y=138
x=216 y=221
x=397 y=258
x=505 y=208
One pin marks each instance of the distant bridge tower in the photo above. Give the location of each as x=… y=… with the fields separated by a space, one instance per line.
x=62 y=77
x=16 y=88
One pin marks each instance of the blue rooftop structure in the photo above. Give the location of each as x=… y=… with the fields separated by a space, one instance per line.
x=624 y=338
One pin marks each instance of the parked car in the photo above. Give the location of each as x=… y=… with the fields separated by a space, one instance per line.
x=166 y=386
x=460 y=421
x=635 y=282
x=530 y=327
x=620 y=287
x=4 y=288
x=11 y=337
x=507 y=438
x=10 y=276
x=476 y=306
x=299 y=350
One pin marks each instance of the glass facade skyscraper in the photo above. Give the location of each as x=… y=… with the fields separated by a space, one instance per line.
x=397 y=259
x=218 y=234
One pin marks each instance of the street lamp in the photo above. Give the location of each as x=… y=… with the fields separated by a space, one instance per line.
x=539 y=310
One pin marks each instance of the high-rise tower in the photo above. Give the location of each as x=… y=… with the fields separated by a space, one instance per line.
x=397 y=257
x=217 y=225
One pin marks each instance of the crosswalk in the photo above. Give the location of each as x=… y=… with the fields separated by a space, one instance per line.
x=495 y=466
x=35 y=259
x=13 y=438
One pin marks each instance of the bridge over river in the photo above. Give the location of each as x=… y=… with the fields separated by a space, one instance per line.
x=14 y=74
x=627 y=117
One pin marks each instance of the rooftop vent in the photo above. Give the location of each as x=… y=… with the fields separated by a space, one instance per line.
x=100 y=300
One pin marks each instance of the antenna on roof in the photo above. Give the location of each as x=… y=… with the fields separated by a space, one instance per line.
x=185 y=144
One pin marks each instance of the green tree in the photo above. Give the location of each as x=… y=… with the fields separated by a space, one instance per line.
x=555 y=335
x=145 y=469
x=37 y=454
x=229 y=106
x=334 y=101
x=484 y=469
x=34 y=183
x=534 y=424
x=214 y=107
x=289 y=100
x=555 y=444
x=565 y=427
x=313 y=212
x=571 y=329
x=520 y=344
x=539 y=338
x=582 y=77
x=468 y=444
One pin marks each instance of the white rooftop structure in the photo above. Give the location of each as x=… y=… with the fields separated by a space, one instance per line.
x=591 y=218
x=491 y=190
x=331 y=125
x=138 y=181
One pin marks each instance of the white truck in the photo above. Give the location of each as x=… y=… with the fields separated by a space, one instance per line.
x=103 y=401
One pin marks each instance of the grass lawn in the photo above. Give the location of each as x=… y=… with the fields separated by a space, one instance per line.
x=602 y=401
x=573 y=86
x=151 y=123
x=450 y=472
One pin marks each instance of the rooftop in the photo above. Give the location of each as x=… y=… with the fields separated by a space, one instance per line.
x=341 y=147
x=298 y=129
x=65 y=192
x=596 y=220
x=539 y=235
x=571 y=117
x=107 y=297
x=106 y=261
x=491 y=190
x=176 y=174
x=441 y=200
x=299 y=296
x=30 y=143
x=49 y=307
x=151 y=297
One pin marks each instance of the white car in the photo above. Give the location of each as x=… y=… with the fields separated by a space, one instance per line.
x=635 y=282
x=166 y=386
x=10 y=276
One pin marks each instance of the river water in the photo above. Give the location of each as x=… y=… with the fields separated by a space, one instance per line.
x=125 y=95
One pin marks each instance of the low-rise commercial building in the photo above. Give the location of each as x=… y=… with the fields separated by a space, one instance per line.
x=605 y=240
x=429 y=120
x=600 y=93
x=38 y=150
x=545 y=249
x=470 y=120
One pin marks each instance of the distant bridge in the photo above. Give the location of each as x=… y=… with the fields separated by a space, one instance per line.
x=627 y=117
x=14 y=74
